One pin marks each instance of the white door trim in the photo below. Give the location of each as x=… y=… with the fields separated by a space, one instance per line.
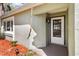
x=58 y=40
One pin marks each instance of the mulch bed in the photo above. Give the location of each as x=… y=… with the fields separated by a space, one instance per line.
x=6 y=49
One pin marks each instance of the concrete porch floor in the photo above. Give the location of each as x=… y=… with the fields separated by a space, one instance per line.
x=55 y=50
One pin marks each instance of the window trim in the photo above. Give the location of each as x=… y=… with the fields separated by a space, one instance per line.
x=8 y=19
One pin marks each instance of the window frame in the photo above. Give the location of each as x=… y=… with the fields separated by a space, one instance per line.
x=6 y=20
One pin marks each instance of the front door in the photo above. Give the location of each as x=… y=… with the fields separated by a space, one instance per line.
x=57 y=30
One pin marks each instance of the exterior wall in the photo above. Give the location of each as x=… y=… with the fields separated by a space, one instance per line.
x=76 y=29
x=71 y=37
x=38 y=24
x=9 y=38
x=22 y=18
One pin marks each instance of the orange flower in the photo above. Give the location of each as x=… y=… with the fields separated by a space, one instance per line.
x=21 y=48
x=6 y=48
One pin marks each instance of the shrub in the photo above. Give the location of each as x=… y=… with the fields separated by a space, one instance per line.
x=2 y=36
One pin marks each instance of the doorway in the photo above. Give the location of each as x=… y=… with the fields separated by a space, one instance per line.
x=57 y=30
x=57 y=33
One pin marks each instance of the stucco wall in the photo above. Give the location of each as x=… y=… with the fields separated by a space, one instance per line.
x=38 y=24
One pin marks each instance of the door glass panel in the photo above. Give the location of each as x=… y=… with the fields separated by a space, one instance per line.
x=57 y=28
x=4 y=26
x=8 y=25
x=11 y=25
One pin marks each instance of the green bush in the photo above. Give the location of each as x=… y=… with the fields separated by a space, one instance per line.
x=2 y=36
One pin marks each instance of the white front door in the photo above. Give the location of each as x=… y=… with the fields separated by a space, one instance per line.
x=57 y=30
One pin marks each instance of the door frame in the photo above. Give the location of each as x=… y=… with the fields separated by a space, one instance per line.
x=48 y=31
x=62 y=42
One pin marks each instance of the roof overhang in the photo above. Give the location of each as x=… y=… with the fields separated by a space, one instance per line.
x=19 y=10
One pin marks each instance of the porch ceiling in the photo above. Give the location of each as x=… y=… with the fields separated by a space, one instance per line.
x=50 y=8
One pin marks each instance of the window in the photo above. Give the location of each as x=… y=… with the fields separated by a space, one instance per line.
x=8 y=24
x=57 y=28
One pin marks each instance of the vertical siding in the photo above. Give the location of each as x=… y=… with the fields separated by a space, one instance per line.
x=38 y=24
